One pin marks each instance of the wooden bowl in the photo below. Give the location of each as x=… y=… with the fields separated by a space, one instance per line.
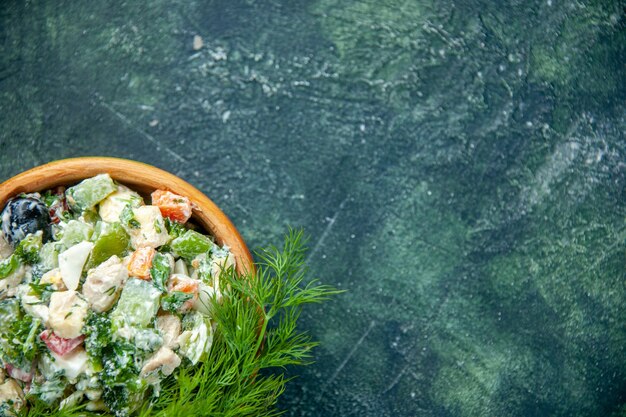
x=142 y=178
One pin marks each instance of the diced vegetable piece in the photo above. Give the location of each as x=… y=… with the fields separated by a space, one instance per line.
x=111 y=207
x=88 y=193
x=178 y=282
x=67 y=313
x=173 y=206
x=182 y=293
x=59 y=345
x=197 y=339
x=137 y=306
x=72 y=261
x=75 y=232
x=191 y=244
x=110 y=239
x=15 y=274
x=8 y=266
x=180 y=267
x=160 y=270
x=151 y=229
x=104 y=284
x=141 y=262
x=49 y=256
x=72 y=364
x=90 y=216
x=202 y=303
x=19 y=374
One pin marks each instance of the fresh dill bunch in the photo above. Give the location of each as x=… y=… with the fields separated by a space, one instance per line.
x=256 y=337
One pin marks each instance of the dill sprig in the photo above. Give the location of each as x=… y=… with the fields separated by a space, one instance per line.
x=256 y=337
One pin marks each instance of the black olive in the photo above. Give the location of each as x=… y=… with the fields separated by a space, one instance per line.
x=23 y=216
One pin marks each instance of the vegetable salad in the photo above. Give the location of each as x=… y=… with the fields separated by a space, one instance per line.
x=102 y=296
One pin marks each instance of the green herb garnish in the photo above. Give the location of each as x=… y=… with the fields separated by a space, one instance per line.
x=127 y=218
x=174 y=229
x=160 y=271
x=174 y=300
x=28 y=249
x=8 y=266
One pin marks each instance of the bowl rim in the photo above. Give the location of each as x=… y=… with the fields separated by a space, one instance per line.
x=144 y=176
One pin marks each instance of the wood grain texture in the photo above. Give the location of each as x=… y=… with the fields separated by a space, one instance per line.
x=144 y=179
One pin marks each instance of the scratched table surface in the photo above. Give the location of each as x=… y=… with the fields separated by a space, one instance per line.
x=459 y=166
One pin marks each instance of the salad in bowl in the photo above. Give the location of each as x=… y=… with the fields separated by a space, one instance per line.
x=103 y=295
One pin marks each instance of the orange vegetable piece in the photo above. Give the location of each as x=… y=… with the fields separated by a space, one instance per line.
x=184 y=284
x=141 y=262
x=174 y=206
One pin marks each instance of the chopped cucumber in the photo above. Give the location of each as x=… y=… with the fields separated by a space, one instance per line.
x=75 y=232
x=49 y=256
x=197 y=339
x=137 y=306
x=191 y=244
x=88 y=193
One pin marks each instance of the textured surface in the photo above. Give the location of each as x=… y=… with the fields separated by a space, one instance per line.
x=460 y=167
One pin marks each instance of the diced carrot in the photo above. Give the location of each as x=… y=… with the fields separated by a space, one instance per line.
x=174 y=206
x=182 y=283
x=141 y=262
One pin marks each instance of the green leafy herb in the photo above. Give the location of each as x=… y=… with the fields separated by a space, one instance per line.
x=28 y=249
x=18 y=343
x=157 y=226
x=8 y=266
x=116 y=364
x=98 y=335
x=119 y=377
x=174 y=229
x=127 y=218
x=160 y=271
x=49 y=198
x=174 y=300
x=41 y=291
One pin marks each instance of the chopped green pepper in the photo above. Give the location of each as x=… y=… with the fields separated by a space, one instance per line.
x=109 y=239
